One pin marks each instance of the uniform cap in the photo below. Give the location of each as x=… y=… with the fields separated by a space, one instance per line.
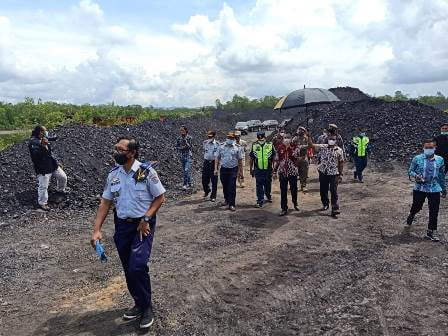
x=301 y=128
x=211 y=133
x=260 y=133
x=332 y=126
x=231 y=135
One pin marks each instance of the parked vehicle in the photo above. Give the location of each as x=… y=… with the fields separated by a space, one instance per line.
x=284 y=123
x=254 y=125
x=270 y=124
x=242 y=127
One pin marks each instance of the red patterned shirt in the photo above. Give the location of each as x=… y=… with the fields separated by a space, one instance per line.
x=286 y=159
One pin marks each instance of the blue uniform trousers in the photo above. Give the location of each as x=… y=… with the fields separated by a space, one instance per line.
x=228 y=179
x=208 y=175
x=360 y=165
x=263 y=178
x=134 y=255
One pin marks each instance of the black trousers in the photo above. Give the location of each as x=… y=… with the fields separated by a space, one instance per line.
x=228 y=180
x=263 y=178
x=284 y=181
x=418 y=199
x=329 y=182
x=208 y=175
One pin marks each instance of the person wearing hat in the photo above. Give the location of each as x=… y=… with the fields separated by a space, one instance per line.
x=243 y=146
x=301 y=140
x=441 y=141
x=333 y=129
x=211 y=147
x=261 y=158
x=229 y=165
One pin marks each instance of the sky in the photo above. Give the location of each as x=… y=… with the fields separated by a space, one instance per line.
x=192 y=52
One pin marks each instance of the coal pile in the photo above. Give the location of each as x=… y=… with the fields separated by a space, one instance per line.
x=85 y=152
x=396 y=129
x=349 y=94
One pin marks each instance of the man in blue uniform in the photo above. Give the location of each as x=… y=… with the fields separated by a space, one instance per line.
x=211 y=147
x=137 y=193
x=230 y=158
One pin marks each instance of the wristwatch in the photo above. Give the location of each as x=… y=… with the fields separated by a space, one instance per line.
x=147 y=219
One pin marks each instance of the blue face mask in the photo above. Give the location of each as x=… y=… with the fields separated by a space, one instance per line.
x=429 y=152
x=363 y=134
x=230 y=141
x=46 y=134
x=444 y=133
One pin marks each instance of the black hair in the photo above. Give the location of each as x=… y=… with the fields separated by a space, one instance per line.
x=428 y=141
x=212 y=133
x=36 y=131
x=331 y=131
x=444 y=124
x=133 y=144
x=185 y=128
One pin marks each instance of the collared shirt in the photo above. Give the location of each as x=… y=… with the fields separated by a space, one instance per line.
x=286 y=160
x=432 y=170
x=323 y=139
x=210 y=149
x=132 y=199
x=184 y=146
x=330 y=157
x=229 y=155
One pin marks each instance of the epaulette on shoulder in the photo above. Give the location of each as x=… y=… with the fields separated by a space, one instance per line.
x=114 y=169
x=146 y=165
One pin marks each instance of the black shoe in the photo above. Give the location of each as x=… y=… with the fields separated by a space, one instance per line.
x=224 y=204
x=410 y=220
x=259 y=205
x=324 y=208
x=269 y=200
x=432 y=235
x=283 y=213
x=44 y=207
x=132 y=313
x=206 y=194
x=335 y=212
x=296 y=208
x=147 y=319
x=213 y=200
x=232 y=208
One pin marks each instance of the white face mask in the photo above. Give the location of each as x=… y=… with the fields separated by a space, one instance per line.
x=331 y=142
x=287 y=142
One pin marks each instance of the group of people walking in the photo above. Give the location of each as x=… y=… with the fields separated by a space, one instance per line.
x=135 y=192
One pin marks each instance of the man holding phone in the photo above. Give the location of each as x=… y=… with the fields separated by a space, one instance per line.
x=45 y=165
x=428 y=171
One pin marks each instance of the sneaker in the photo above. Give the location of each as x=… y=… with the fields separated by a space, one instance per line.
x=147 y=319
x=132 y=313
x=258 y=205
x=44 y=207
x=184 y=187
x=432 y=235
x=283 y=213
x=324 y=208
x=410 y=220
x=213 y=200
x=232 y=208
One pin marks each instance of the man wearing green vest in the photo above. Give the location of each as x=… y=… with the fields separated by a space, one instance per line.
x=360 y=150
x=261 y=158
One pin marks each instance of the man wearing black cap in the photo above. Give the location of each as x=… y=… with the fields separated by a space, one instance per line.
x=211 y=147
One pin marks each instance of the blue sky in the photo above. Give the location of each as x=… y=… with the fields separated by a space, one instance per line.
x=188 y=53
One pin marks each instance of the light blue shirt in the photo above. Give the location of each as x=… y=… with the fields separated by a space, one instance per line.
x=229 y=155
x=210 y=149
x=432 y=171
x=131 y=198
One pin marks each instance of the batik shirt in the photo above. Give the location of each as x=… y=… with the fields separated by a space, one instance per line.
x=285 y=160
x=184 y=146
x=433 y=173
x=330 y=157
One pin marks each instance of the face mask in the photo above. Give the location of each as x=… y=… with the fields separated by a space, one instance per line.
x=444 y=133
x=331 y=142
x=260 y=139
x=287 y=142
x=121 y=158
x=230 y=141
x=429 y=151
x=46 y=134
x=363 y=134
x=282 y=134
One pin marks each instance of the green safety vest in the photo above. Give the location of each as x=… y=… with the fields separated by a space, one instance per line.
x=262 y=154
x=361 y=145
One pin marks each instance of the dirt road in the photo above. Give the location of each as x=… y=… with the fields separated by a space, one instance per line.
x=245 y=273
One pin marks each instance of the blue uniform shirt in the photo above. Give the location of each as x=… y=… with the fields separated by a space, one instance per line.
x=210 y=149
x=132 y=199
x=433 y=172
x=229 y=155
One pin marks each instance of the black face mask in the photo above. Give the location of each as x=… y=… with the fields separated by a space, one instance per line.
x=121 y=158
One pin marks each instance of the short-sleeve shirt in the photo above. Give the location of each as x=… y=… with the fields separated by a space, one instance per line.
x=210 y=149
x=286 y=158
x=329 y=159
x=229 y=155
x=131 y=198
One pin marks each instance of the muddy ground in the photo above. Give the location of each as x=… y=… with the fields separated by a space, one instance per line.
x=246 y=273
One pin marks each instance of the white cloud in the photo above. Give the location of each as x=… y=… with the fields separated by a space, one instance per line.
x=82 y=56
